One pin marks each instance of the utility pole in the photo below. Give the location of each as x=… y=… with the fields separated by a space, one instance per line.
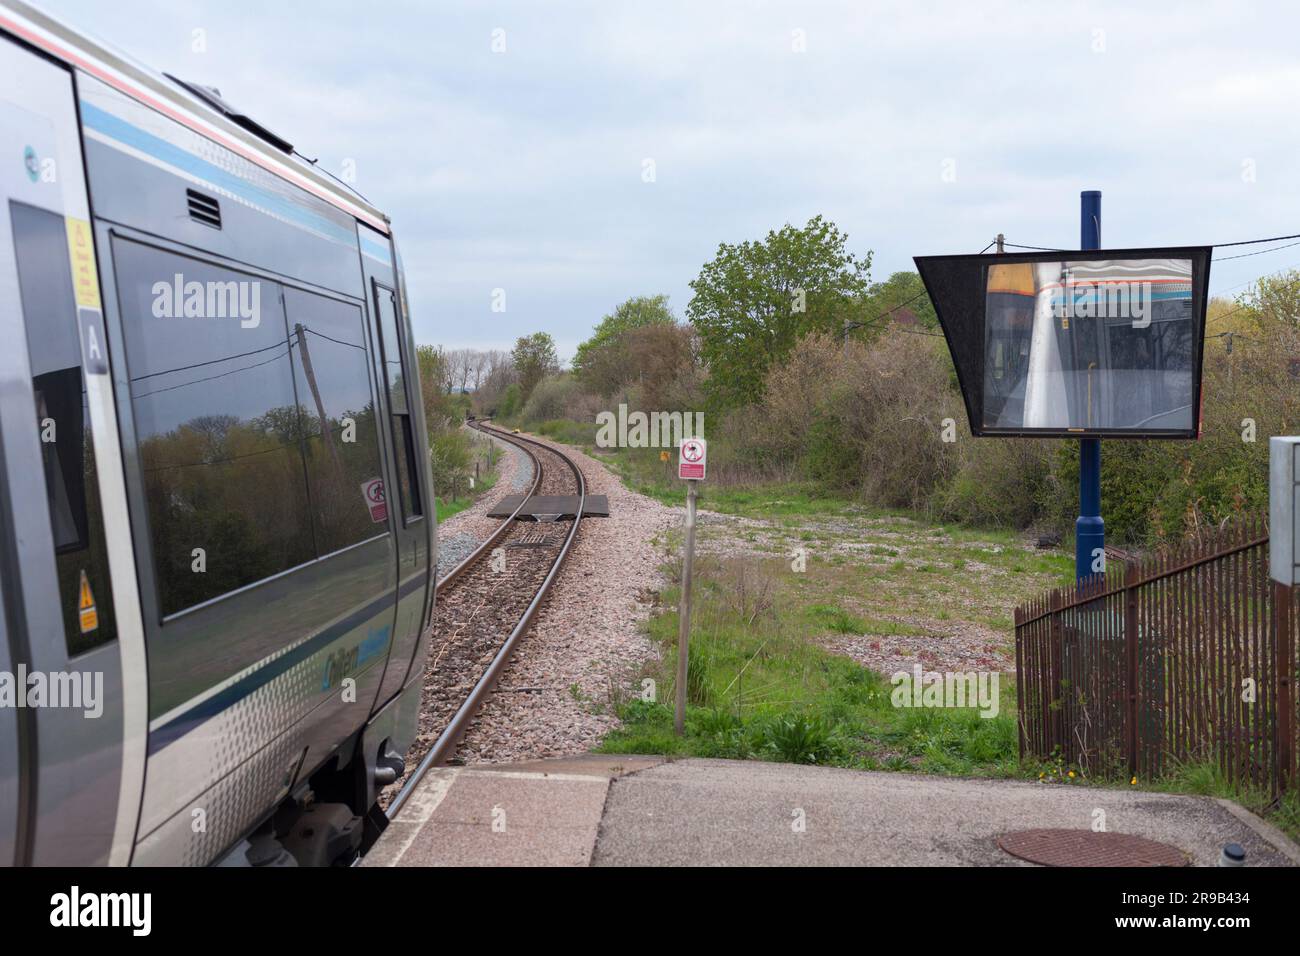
x=1089 y=529
x=1001 y=240
x=310 y=375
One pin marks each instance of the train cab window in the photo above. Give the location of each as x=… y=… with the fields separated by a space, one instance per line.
x=331 y=367
x=217 y=420
x=63 y=422
x=399 y=402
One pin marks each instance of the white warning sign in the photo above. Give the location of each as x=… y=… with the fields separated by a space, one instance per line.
x=373 y=492
x=692 y=459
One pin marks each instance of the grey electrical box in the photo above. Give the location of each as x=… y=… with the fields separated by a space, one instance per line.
x=1284 y=509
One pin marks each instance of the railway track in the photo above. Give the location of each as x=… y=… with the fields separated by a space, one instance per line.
x=485 y=606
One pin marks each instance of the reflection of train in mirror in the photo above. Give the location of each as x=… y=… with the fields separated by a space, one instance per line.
x=1090 y=345
x=215 y=544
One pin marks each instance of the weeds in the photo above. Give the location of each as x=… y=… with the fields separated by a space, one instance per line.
x=760 y=686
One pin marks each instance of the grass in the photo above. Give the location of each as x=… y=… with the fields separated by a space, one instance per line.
x=832 y=617
x=769 y=691
x=445 y=508
x=581 y=434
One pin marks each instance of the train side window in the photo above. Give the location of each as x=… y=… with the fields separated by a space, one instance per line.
x=63 y=422
x=330 y=364
x=399 y=401
x=217 y=421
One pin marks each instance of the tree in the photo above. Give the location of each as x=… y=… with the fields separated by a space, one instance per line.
x=891 y=300
x=534 y=358
x=659 y=355
x=463 y=364
x=755 y=300
x=481 y=368
x=499 y=373
x=442 y=411
x=602 y=362
x=436 y=367
x=509 y=403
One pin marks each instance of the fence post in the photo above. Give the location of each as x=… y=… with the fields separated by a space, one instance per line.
x=1020 y=689
x=1054 y=720
x=1131 y=650
x=1284 y=717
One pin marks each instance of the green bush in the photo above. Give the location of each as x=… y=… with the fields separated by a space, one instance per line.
x=508 y=407
x=551 y=398
x=450 y=456
x=799 y=738
x=835 y=618
x=830 y=456
x=1000 y=482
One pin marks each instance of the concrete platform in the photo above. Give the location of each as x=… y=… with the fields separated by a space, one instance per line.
x=650 y=811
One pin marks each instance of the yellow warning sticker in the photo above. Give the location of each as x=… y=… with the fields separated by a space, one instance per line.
x=81 y=252
x=86 y=610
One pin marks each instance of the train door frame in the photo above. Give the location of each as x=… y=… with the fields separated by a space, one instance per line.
x=410 y=529
x=41 y=102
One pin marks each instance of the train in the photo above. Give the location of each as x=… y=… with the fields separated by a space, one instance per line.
x=217 y=530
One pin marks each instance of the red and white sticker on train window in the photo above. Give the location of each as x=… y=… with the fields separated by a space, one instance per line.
x=692 y=458
x=373 y=491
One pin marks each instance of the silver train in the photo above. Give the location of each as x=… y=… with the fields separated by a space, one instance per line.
x=216 y=524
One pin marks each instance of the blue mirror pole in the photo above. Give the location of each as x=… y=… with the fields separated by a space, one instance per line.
x=1089 y=529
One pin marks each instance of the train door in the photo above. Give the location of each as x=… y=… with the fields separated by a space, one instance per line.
x=74 y=683
x=406 y=500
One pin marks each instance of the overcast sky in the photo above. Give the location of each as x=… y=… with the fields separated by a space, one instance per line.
x=918 y=129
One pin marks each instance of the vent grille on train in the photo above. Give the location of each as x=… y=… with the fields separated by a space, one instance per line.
x=204 y=209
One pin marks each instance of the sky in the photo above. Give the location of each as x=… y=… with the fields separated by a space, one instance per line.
x=575 y=154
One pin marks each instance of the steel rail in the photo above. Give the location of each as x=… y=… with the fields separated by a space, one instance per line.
x=446 y=743
x=451 y=576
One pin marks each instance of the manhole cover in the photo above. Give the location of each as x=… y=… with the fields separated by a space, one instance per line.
x=1086 y=848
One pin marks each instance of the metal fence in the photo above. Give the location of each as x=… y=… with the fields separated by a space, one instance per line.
x=1185 y=658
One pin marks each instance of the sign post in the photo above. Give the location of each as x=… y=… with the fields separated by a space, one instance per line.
x=692 y=464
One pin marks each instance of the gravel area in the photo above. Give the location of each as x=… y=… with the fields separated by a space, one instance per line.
x=952 y=646
x=945 y=644
x=460 y=534
x=557 y=696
